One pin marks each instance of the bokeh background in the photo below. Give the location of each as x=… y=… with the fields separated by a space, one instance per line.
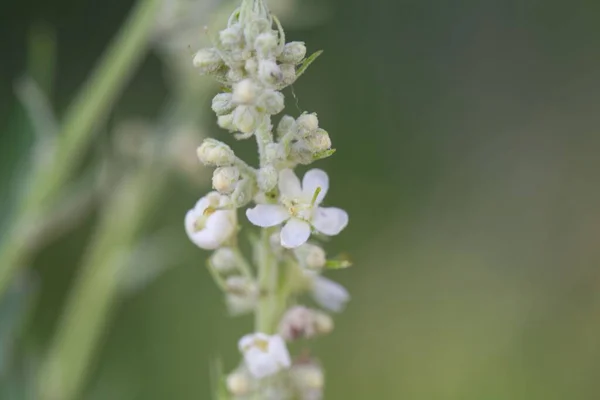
x=468 y=159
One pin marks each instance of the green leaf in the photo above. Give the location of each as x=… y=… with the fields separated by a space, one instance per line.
x=323 y=154
x=340 y=262
x=306 y=63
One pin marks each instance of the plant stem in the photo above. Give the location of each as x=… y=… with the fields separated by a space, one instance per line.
x=88 y=109
x=267 y=278
x=62 y=375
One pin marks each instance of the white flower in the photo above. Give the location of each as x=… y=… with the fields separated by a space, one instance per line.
x=300 y=208
x=329 y=294
x=207 y=227
x=264 y=355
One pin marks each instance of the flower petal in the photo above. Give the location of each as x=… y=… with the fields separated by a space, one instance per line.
x=329 y=220
x=266 y=215
x=279 y=351
x=313 y=179
x=295 y=233
x=260 y=364
x=289 y=184
x=329 y=294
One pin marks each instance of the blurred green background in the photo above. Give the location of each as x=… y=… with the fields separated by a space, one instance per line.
x=468 y=142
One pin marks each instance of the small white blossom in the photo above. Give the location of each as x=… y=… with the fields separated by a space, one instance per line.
x=327 y=293
x=206 y=226
x=300 y=208
x=264 y=355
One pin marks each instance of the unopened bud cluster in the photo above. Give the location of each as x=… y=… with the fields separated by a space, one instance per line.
x=253 y=64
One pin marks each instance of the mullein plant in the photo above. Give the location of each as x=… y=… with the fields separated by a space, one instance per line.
x=253 y=64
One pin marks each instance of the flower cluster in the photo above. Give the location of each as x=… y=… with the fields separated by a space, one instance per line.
x=253 y=63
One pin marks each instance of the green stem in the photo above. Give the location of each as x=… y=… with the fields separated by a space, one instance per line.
x=89 y=108
x=263 y=138
x=64 y=371
x=267 y=281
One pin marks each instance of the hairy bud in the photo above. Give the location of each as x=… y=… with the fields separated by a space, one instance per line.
x=213 y=152
x=221 y=104
x=307 y=123
x=293 y=53
x=226 y=122
x=269 y=72
x=267 y=178
x=225 y=179
x=245 y=92
x=207 y=60
x=232 y=37
x=272 y=102
x=245 y=118
x=265 y=44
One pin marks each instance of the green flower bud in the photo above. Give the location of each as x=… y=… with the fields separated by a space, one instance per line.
x=223 y=260
x=251 y=66
x=207 y=60
x=307 y=123
x=272 y=102
x=286 y=125
x=221 y=104
x=232 y=36
x=293 y=53
x=267 y=178
x=213 y=152
x=245 y=118
x=269 y=72
x=255 y=28
x=265 y=44
x=243 y=193
x=245 y=92
x=226 y=122
x=288 y=72
x=225 y=179
x=318 y=141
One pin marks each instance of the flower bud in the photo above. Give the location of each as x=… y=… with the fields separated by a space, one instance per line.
x=207 y=60
x=265 y=44
x=272 y=102
x=307 y=123
x=286 y=125
x=311 y=256
x=323 y=323
x=221 y=103
x=225 y=179
x=300 y=322
x=245 y=118
x=232 y=36
x=243 y=193
x=213 y=152
x=236 y=74
x=293 y=53
x=275 y=152
x=288 y=72
x=254 y=28
x=240 y=286
x=239 y=383
x=245 y=92
x=269 y=72
x=226 y=122
x=251 y=66
x=318 y=141
x=267 y=178
x=223 y=260
x=308 y=376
